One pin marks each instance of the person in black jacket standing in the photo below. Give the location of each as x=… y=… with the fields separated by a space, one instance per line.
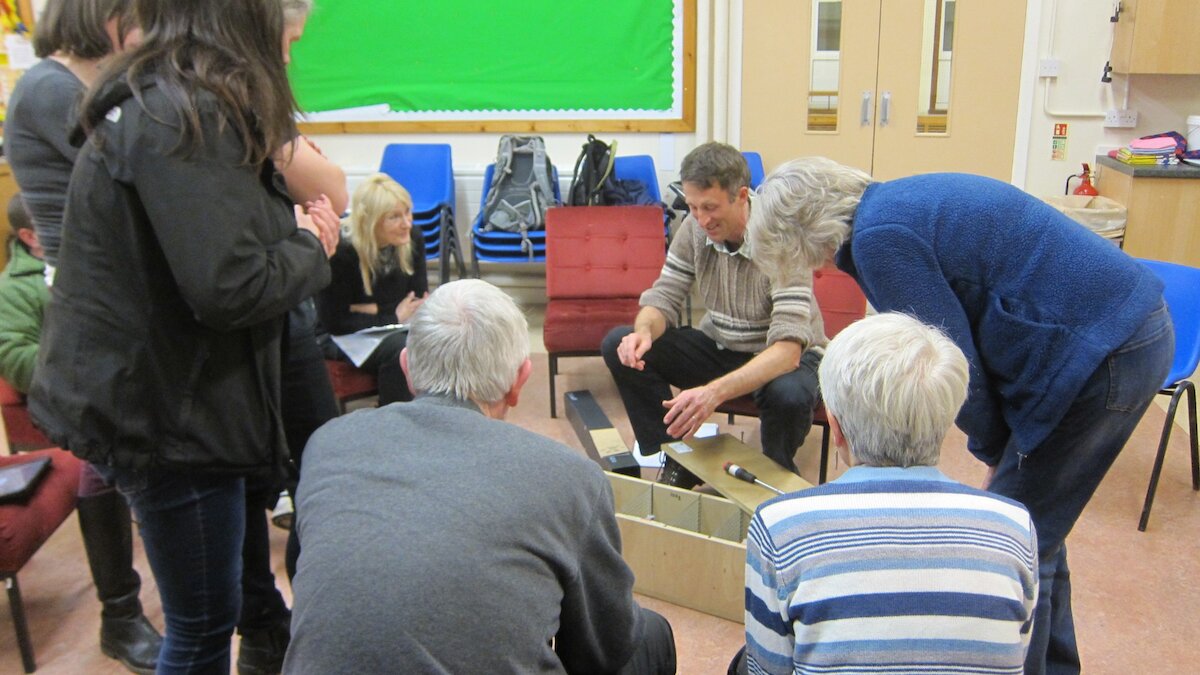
x=160 y=357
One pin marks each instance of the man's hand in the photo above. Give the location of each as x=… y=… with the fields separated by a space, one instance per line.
x=633 y=347
x=687 y=411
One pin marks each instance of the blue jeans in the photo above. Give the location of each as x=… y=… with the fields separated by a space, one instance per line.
x=1057 y=479
x=192 y=524
x=686 y=358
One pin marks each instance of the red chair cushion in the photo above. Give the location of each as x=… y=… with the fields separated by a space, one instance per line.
x=580 y=325
x=348 y=381
x=24 y=527
x=603 y=251
x=17 y=423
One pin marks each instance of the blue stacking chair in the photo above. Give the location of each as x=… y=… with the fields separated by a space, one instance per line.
x=505 y=247
x=427 y=172
x=641 y=168
x=754 y=161
x=1182 y=293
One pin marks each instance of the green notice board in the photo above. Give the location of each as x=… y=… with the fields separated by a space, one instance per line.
x=481 y=57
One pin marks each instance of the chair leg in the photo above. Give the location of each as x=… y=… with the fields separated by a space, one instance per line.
x=553 y=359
x=24 y=644
x=1180 y=389
x=1191 y=389
x=823 y=472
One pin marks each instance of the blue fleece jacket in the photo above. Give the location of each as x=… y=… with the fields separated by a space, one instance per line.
x=1033 y=299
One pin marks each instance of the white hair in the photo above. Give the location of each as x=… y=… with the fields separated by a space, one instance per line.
x=802 y=214
x=895 y=385
x=296 y=10
x=467 y=340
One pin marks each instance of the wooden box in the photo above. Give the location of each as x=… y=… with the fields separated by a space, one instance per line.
x=684 y=547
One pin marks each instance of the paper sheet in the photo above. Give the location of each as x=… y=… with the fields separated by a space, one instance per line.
x=360 y=345
x=655 y=461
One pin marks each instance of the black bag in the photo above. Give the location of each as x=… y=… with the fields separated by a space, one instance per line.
x=593 y=173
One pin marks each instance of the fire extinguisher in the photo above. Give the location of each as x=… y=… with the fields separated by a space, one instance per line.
x=1085 y=186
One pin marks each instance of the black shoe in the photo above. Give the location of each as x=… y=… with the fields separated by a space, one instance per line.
x=133 y=642
x=262 y=651
x=675 y=475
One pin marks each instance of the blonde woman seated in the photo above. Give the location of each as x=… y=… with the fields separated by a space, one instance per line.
x=378 y=278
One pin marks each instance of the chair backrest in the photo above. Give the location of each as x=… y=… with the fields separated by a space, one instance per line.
x=754 y=161
x=639 y=167
x=841 y=300
x=426 y=170
x=603 y=251
x=1181 y=290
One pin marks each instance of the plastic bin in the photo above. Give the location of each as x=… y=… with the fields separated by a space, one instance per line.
x=1099 y=214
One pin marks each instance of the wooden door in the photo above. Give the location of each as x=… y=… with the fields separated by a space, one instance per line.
x=887 y=57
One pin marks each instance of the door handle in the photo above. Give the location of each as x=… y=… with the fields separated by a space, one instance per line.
x=865 y=117
x=885 y=103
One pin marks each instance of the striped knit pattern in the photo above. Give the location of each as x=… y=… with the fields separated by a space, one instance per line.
x=890 y=570
x=744 y=312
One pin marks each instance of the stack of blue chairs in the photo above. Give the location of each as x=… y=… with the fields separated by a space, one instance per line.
x=427 y=172
x=505 y=247
x=754 y=161
x=641 y=168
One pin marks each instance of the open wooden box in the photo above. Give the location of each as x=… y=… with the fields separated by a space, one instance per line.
x=685 y=547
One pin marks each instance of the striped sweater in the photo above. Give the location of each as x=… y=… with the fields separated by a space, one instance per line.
x=744 y=312
x=890 y=570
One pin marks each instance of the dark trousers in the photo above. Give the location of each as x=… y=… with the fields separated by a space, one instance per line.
x=192 y=524
x=307 y=403
x=1057 y=479
x=655 y=654
x=686 y=358
x=384 y=362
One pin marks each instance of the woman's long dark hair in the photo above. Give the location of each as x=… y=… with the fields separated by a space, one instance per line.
x=229 y=48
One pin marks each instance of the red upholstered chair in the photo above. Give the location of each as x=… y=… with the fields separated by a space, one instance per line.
x=842 y=303
x=599 y=259
x=349 y=383
x=22 y=435
x=25 y=526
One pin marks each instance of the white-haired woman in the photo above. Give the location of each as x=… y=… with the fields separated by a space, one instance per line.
x=379 y=277
x=1067 y=337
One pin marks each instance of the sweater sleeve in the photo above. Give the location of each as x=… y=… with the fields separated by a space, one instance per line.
x=900 y=273
x=345 y=289
x=21 y=310
x=600 y=624
x=770 y=642
x=794 y=314
x=669 y=292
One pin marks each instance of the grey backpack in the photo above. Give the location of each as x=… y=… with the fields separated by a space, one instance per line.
x=521 y=188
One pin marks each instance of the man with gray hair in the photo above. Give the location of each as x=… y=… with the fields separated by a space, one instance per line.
x=439 y=539
x=892 y=567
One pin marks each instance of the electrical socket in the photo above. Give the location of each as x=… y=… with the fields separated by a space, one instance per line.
x=1120 y=119
x=1048 y=68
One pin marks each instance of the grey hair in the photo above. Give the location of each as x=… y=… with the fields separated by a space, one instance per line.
x=467 y=340
x=895 y=386
x=802 y=214
x=296 y=10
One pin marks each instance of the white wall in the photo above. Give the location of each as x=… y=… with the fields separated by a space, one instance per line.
x=1078 y=33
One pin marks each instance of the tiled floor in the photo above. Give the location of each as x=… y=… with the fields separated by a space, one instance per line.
x=1137 y=595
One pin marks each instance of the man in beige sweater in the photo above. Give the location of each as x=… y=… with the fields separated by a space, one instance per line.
x=755 y=337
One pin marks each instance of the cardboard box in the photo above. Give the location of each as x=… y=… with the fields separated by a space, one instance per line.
x=684 y=547
x=601 y=441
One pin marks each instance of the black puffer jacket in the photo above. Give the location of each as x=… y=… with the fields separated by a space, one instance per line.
x=161 y=341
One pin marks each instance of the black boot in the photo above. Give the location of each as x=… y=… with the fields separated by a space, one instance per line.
x=125 y=633
x=261 y=651
x=675 y=475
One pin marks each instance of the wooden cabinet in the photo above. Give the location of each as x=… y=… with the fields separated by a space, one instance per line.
x=1154 y=36
x=1163 y=214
